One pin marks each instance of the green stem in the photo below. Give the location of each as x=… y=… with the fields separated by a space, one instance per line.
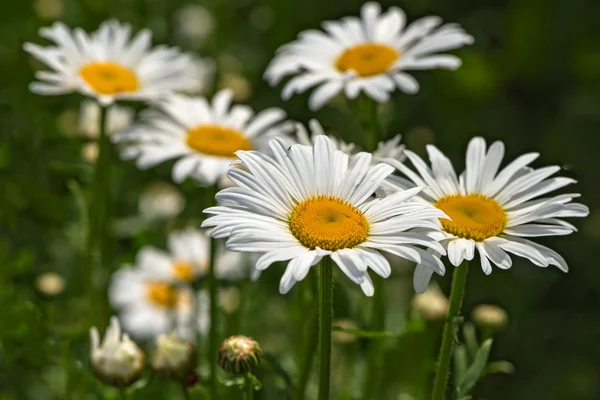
x=248 y=388
x=325 y=317
x=457 y=292
x=186 y=394
x=97 y=232
x=375 y=357
x=213 y=334
x=312 y=336
x=375 y=126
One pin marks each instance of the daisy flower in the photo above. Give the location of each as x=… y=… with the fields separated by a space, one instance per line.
x=188 y=258
x=388 y=149
x=109 y=64
x=203 y=137
x=492 y=210
x=368 y=54
x=147 y=303
x=310 y=202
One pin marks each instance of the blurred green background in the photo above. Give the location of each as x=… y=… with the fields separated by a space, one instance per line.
x=532 y=80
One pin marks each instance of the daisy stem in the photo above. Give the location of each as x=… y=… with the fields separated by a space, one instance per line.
x=98 y=207
x=459 y=280
x=213 y=334
x=311 y=337
x=248 y=388
x=325 y=317
x=376 y=131
x=375 y=355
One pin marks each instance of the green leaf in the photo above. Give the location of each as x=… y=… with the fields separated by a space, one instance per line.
x=460 y=364
x=365 y=334
x=475 y=371
x=499 y=367
x=470 y=337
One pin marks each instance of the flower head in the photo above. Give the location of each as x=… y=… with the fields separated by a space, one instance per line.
x=431 y=305
x=239 y=354
x=490 y=316
x=203 y=137
x=368 y=54
x=160 y=200
x=118 y=361
x=492 y=210
x=173 y=357
x=307 y=203
x=108 y=64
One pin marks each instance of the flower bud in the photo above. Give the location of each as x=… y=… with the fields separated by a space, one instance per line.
x=490 y=316
x=118 y=361
x=160 y=200
x=50 y=284
x=239 y=354
x=173 y=357
x=431 y=305
x=342 y=337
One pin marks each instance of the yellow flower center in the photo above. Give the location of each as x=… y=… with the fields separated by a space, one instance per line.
x=109 y=78
x=183 y=271
x=367 y=59
x=217 y=140
x=161 y=294
x=329 y=223
x=473 y=216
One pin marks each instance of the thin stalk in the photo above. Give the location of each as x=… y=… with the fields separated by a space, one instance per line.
x=312 y=336
x=325 y=317
x=96 y=235
x=184 y=390
x=376 y=132
x=375 y=356
x=459 y=280
x=213 y=334
x=248 y=388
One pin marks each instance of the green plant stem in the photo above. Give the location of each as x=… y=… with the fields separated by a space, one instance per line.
x=375 y=356
x=376 y=132
x=325 y=317
x=186 y=394
x=213 y=334
x=98 y=204
x=248 y=388
x=312 y=337
x=459 y=280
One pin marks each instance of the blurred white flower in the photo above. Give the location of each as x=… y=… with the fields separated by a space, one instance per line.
x=202 y=70
x=118 y=361
x=146 y=303
x=194 y=24
x=369 y=54
x=202 y=137
x=118 y=118
x=108 y=64
x=173 y=356
x=89 y=152
x=160 y=200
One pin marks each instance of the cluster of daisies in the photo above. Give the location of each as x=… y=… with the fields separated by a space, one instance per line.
x=295 y=195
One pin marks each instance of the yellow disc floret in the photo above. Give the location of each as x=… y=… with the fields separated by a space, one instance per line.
x=329 y=223
x=161 y=294
x=183 y=271
x=109 y=78
x=473 y=216
x=367 y=59
x=217 y=140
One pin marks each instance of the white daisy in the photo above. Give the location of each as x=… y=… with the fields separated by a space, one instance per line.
x=367 y=54
x=108 y=64
x=388 y=149
x=188 y=258
x=118 y=119
x=147 y=304
x=204 y=137
x=492 y=210
x=307 y=202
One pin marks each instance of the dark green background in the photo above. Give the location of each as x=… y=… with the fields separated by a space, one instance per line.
x=532 y=80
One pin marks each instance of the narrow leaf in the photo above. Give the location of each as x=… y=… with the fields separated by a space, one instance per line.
x=475 y=371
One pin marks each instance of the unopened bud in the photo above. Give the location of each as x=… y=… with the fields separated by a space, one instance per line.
x=342 y=337
x=431 y=305
x=118 y=361
x=239 y=354
x=160 y=200
x=490 y=316
x=50 y=284
x=173 y=357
